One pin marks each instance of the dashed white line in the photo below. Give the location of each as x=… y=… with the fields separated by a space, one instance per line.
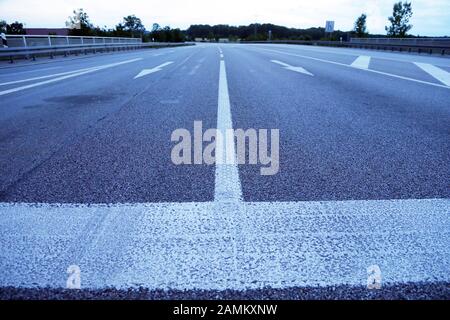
x=441 y=75
x=362 y=62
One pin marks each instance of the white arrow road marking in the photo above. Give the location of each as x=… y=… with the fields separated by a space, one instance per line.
x=368 y=70
x=292 y=68
x=362 y=62
x=145 y=72
x=219 y=246
x=71 y=75
x=442 y=75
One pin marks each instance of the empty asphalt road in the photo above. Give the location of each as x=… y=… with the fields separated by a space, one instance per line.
x=87 y=179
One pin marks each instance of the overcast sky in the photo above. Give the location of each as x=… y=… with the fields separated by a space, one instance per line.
x=431 y=17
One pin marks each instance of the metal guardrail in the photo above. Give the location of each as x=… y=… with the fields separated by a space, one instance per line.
x=436 y=42
x=36 y=51
x=419 y=45
x=429 y=48
x=24 y=41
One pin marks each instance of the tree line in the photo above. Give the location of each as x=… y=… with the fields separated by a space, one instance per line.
x=399 y=27
x=80 y=24
x=256 y=32
x=13 y=28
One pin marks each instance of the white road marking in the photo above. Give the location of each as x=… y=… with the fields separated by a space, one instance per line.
x=441 y=75
x=292 y=68
x=367 y=70
x=382 y=55
x=362 y=62
x=227 y=184
x=29 y=71
x=278 y=245
x=170 y=101
x=187 y=59
x=194 y=70
x=150 y=71
x=46 y=77
x=72 y=75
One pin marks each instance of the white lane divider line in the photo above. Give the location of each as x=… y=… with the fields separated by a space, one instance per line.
x=186 y=60
x=150 y=71
x=292 y=68
x=29 y=71
x=368 y=70
x=362 y=62
x=72 y=75
x=437 y=73
x=227 y=183
x=46 y=77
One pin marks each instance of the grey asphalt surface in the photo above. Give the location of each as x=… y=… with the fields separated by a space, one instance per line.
x=435 y=291
x=346 y=134
x=103 y=138
x=107 y=132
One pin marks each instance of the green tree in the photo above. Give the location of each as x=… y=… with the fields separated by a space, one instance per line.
x=80 y=24
x=15 y=28
x=361 y=26
x=3 y=26
x=177 y=35
x=167 y=34
x=120 y=31
x=156 y=27
x=134 y=26
x=401 y=15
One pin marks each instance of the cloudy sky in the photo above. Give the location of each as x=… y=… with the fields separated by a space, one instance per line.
x=431 y=17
